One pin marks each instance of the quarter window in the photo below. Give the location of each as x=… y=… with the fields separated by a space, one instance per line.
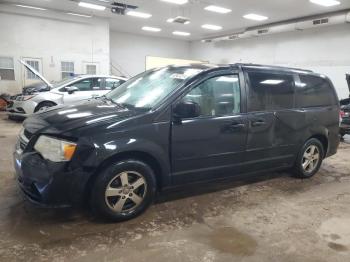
x=67 y=69
x=314 y=91
x=217 y=96
x=7 y=71
x=270 y=91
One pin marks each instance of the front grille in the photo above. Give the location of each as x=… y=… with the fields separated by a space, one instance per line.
x=27 y=134
x=22 y=144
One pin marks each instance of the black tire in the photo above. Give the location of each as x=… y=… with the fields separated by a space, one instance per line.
x=307 y=172
x=43 y=105
x=102 y=205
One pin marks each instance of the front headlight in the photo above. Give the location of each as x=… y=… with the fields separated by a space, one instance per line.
x=54 y=149
x=27 y=97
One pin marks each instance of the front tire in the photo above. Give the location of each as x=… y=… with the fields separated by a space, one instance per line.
x=309 y=159
x=43 y=106
x=123 y=190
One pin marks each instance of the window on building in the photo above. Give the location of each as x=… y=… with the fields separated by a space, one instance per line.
x=314 y=91
x=270 y=91
x=34 y=64
x=67 y=69
x=217 y=96
x=91 y=69
x=7 y=71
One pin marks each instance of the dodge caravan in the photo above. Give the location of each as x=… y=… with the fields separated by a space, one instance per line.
x=173 y=126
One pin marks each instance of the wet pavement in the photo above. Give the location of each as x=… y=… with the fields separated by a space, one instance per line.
x=272 y=217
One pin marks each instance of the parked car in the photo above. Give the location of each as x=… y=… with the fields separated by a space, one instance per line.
x=345 y=120
x=67 y=91
x=174 y=126
x=345 y=113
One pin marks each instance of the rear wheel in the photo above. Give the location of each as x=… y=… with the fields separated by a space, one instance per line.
x=123 y=190
x=43 y=106
x=309 y=159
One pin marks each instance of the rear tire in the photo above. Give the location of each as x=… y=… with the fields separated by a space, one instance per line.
x=309 y=159
x=43 y=106
x=123 y=190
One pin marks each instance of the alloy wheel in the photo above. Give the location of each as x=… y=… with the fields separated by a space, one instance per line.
x=125 y=192
x=310 y=159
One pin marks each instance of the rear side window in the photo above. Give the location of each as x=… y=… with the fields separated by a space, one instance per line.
x=314 y=91
x=270 y=91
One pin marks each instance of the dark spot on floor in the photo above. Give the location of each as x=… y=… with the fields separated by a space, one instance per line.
x=337 y=247
x=2 y=136
x=335 y=236
x=230 y=240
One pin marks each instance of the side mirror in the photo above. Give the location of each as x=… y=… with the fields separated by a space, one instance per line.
x=72 y=89
x=188 y=109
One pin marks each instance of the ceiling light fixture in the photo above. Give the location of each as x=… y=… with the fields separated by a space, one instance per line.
x=181 y=33
x=177 y=2
x=32 y=7
x=212 y=27
x=327 y=3
x=255 y=17
x=92 y=6
x=138 y=14
x=152 y=29
x=217 y=9
x=81 y=15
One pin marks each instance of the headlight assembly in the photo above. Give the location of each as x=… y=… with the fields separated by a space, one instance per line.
x=55 y=149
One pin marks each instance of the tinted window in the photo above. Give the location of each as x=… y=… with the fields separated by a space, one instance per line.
x=112 y=83
x=84 y=85
x=314 y=91
x=270 y=91
x=218 y=96
x=98 y=84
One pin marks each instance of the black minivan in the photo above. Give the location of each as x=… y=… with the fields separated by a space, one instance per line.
x=173 y=126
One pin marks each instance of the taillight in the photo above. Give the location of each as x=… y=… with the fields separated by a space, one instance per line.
x=341 y=113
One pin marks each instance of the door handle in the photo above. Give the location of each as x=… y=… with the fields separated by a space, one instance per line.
x=237 y=125
x=258 y=123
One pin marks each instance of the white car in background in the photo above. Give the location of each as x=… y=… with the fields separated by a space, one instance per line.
x=68 y=91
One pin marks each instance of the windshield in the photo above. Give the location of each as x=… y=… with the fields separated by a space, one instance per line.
x=149 y=88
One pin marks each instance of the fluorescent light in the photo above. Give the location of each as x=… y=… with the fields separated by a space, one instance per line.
x=255 y=17
x=212 y=27
x=181 y=33
x=32 y=7
x=272 y=82
x=81 y=15
x=139 y=14
x=152 y=29
x=217 y=9
x=325 y=2
x=178 y=2
x=92 y=6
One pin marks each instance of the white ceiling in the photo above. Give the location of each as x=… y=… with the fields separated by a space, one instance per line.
x=276 y=10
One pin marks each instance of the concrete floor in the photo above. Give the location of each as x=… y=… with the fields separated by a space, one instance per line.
x=270 y=218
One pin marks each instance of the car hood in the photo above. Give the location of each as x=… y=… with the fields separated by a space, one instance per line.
x=60 y=119
x=31 y=69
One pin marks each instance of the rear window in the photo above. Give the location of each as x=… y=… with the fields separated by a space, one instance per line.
x=270 y=91
x=314 y=91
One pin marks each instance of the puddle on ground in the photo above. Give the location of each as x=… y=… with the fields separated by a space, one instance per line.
x=230 y=240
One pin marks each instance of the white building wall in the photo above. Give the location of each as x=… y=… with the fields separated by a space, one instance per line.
x=325 y=50
x=52 y=40
x=129 y=51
